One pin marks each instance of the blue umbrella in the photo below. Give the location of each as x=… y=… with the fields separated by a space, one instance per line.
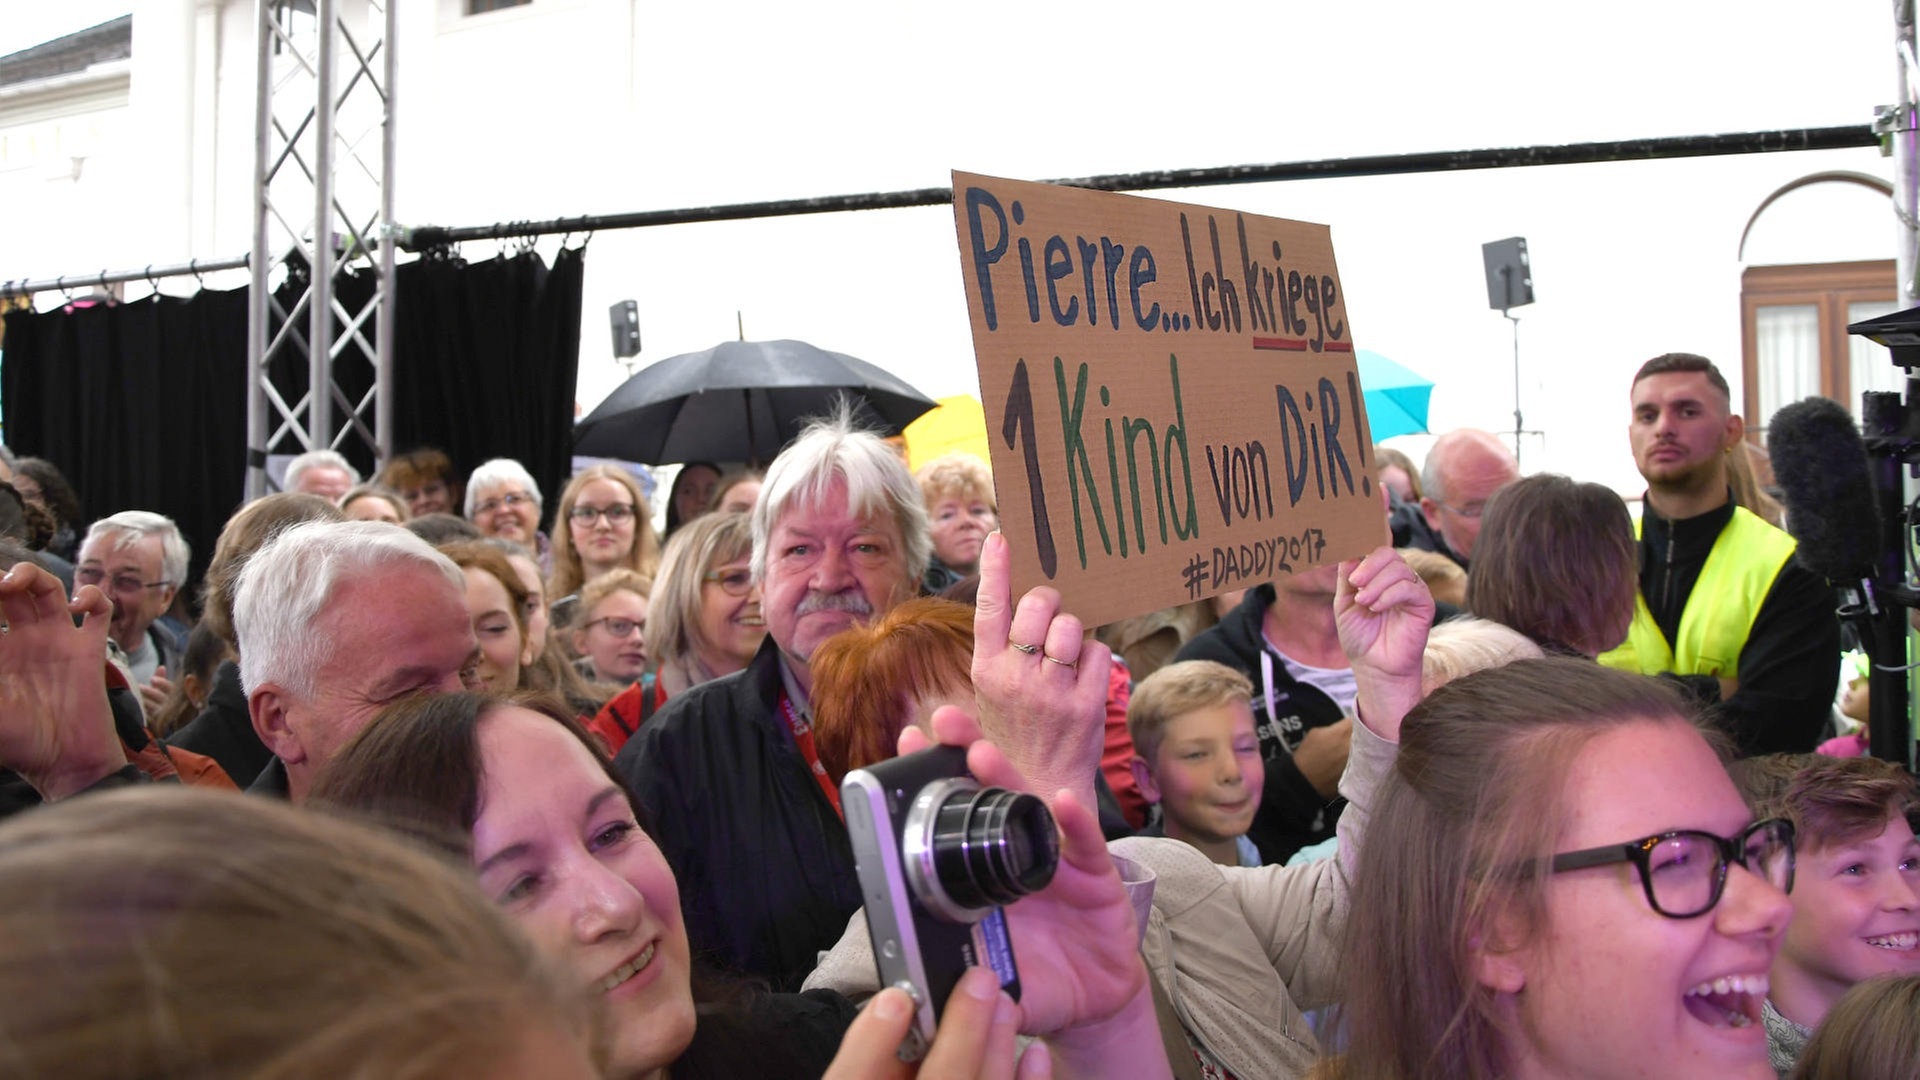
x=1396 y=398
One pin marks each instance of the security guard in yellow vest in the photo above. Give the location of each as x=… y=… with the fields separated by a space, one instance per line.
x=1723 y=606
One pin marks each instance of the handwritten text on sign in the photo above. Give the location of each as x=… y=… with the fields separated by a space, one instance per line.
x=1170 y=392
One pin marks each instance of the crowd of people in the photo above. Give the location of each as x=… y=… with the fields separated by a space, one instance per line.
x=1530 y=791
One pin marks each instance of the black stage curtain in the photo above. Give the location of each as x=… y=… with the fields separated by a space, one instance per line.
x=143 y=405
x=486 y=361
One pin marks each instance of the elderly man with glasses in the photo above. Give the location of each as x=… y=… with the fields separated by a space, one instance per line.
x=139 y=559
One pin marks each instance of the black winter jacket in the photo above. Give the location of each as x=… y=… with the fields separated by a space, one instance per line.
x=224 y=729
x=766 y=870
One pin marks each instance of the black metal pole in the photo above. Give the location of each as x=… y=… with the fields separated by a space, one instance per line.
x=1890 y=443
x=1749 y=142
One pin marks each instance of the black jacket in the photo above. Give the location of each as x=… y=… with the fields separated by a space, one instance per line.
x=1791 y=661
x=1292 y=814
x=769 y=1037
x=766 y=870
x=224 y=729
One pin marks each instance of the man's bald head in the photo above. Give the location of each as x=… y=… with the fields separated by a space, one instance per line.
x=1464 y=468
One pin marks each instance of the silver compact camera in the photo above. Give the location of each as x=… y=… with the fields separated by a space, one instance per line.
x=939 y=856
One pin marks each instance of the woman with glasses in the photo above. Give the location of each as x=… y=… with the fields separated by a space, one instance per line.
x=602 y=524
x=1561 y=880
x=503 y=500
x=703 y=620
x=608 y=631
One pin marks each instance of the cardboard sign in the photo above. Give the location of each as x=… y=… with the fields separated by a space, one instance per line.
x=1170 y=393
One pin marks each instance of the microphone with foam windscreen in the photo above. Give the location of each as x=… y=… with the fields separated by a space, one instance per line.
x=1821 y=466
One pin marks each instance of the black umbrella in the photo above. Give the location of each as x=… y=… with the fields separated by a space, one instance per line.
x=740 y=401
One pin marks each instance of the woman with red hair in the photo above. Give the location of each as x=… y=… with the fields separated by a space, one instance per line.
x=871 y=682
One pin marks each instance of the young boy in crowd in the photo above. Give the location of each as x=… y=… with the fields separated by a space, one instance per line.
x=1197 y=755
x=1856 y=888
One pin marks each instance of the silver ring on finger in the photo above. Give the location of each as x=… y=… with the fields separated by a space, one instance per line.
x=1028 y=649
x=1057 y=660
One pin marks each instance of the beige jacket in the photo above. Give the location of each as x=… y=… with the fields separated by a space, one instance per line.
x=1241 y=952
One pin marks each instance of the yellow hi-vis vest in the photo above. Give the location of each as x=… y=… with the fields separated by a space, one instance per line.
x=1746 y=558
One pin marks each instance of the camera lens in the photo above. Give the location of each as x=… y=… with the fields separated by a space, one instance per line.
x=983 y=848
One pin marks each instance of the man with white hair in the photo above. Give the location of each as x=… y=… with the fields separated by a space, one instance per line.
x=739 y=801
x=335 y=620
x=139 y=559
x=321 y=472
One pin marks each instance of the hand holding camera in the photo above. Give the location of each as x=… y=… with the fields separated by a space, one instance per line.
x=939 y=856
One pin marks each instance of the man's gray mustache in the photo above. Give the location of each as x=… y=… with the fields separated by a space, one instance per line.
x=850 y=601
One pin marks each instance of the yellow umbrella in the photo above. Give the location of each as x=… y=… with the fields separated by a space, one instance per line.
x=957 y=425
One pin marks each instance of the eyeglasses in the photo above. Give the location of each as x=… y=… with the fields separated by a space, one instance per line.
x=503 y=502
x=122 y=583
x=1473 y=511
x=1685 y=871
x=617 y=514
x=615 y=625
x=732 y=582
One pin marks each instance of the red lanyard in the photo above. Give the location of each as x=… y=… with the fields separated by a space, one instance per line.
x=803 y=741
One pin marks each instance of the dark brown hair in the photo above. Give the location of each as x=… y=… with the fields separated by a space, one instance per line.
x=1557 y=560
x=1835 y=801
x=202 y=656
x=1669 y=363
x=55 y=491
x=1763 y=779
x=673 y=494
x=416 y=767
x=1384 y=456
x=246 y=532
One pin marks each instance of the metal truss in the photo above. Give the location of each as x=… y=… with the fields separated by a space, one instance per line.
x=323 y=206
x=1895 y=124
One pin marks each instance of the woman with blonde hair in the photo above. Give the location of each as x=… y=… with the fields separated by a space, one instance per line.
x=608 y=628
x=164 y=933
x=958 y=489
x=602 y=524
x=703 y=620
